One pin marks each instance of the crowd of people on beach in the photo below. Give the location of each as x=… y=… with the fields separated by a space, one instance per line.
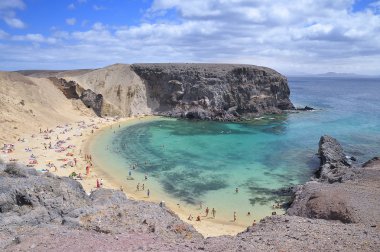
x=59 y=141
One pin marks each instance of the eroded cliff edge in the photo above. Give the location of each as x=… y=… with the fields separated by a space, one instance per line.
x=200 y=91
x=213 y=91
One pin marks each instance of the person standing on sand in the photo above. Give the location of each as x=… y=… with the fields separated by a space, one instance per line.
x=213 y=212
x=75 y=161
x=87 y=170
x=148 y=193
x=138 y=187
x=234 y=216
x=207 y=211
x=97 y=183
x=143 y=187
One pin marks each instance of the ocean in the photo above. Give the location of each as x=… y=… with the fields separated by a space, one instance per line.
x=241 y=166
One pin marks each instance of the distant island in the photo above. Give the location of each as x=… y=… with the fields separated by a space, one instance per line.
x=333 y=75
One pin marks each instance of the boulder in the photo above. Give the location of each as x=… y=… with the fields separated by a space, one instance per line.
x=334 y=166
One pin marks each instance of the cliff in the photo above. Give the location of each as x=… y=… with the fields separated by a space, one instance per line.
x=213 y=91
x=201 y=91
x=27 y=104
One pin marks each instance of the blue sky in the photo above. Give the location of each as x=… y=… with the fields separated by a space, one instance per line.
x=302 y=37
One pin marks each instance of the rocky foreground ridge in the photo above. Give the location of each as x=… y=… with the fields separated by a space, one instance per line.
x=337 y=211
x=201 y=91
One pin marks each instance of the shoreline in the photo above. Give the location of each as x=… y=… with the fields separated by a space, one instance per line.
x=208 y=226
x=81 y=138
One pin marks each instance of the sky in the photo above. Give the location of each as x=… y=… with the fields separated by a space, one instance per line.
x=293 y=37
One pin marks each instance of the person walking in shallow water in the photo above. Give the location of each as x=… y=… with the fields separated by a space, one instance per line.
x=207 y=211
x=148 y=193
x=234 y=216
x=213 y=212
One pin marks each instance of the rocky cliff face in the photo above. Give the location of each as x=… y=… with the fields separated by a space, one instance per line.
x=122 y=90
x=213 y=91
x=201 y=91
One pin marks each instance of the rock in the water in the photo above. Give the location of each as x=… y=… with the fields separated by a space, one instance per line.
x=334 y=164
x=354 y=200
x=306 y=108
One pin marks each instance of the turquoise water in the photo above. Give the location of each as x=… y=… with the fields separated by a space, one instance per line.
x=192 y=161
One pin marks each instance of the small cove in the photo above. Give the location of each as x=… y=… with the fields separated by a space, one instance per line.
x=188 y=162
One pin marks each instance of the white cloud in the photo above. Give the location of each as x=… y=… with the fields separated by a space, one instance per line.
x=11 y=4
x=35 y=38
x=71 y=6
x=98 y=7
x=304 y=36
x=3 y=34
x=7 y=13
x=14 y=22
x=71 y=21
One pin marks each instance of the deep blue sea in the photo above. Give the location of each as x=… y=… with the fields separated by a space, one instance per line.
x=188 y=162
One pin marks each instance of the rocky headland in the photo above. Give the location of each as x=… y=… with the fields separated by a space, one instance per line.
x=40 y=211
x=196 y=91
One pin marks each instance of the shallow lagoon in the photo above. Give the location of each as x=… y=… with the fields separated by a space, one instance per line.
x=188 y=162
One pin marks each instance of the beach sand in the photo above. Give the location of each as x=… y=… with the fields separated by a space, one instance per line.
x=76 y=139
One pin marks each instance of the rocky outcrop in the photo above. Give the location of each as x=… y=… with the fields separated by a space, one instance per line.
x=213 y=91
x=92 y=100
x=335 y=166
x=68 y=88
x=31 y=198
x=343 y=192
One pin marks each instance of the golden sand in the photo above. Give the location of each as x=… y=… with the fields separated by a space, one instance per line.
x=77 y=137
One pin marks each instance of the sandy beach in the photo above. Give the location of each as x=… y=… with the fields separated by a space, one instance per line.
x=63 y=150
